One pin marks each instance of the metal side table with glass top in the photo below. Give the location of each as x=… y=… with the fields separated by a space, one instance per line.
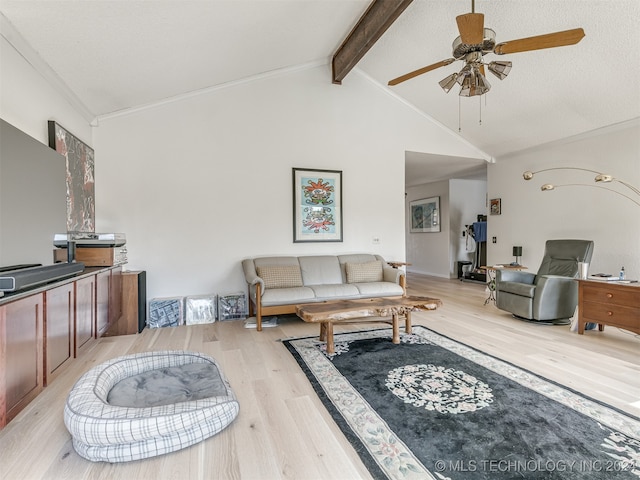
x=491 y=278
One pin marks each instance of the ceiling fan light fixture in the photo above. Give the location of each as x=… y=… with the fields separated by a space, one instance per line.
x=473 y=83
x=448 y=82
x=500 y=69
x=482 y=83
x=463 y=74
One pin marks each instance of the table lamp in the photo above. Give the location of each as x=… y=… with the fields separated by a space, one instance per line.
x=517 y=252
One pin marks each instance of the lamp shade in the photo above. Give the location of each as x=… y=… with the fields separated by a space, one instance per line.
x=449 y=82
x=517 y=251
x=473 y=83
x=500 y=69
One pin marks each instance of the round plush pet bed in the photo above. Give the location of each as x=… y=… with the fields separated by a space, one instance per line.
x=148 y=404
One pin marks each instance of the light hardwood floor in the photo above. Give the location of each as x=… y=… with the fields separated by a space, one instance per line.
x=283 y=431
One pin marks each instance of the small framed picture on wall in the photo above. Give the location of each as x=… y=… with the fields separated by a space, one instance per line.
x=495 y=207
x=425 y=215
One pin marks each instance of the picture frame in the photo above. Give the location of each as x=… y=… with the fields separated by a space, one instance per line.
x=317 y=205
x=424 y=215
x=80 y=177
x=495 y=206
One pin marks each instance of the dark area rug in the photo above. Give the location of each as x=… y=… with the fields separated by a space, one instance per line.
x=432 y=407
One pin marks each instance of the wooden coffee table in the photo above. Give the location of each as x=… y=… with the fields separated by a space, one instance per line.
x=343 y=311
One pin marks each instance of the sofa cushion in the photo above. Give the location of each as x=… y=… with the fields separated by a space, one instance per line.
x=280 y=276
x=355 y=258
x=335 y=291
x=320 y=270
x=358 y=258
x=364 y=272
x=562 y=267
x=286 y=296
x=379 y=289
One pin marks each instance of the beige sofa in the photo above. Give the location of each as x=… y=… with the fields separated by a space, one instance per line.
x=277 y=284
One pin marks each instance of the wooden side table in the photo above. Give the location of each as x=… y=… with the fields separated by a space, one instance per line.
x=398 y=264
x=609 y=303
x=491 y=278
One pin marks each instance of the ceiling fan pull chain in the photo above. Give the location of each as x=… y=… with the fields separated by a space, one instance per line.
x=459 y=121
x=480 y=100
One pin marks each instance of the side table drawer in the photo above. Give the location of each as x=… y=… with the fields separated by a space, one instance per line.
x=612 y=296
x=614 y=315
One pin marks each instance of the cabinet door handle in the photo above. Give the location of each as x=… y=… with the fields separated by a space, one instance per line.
x=609 y=295
x=610 y=314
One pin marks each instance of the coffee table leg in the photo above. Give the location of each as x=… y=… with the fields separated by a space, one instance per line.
x=329 y=333
x=407 y=323
x=396 y=329
x=323 y=331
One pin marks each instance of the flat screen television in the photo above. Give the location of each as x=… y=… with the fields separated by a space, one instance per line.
x=33 y=196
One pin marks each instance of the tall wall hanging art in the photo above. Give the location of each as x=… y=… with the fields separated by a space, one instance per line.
x=80 y=179
x=317 y=205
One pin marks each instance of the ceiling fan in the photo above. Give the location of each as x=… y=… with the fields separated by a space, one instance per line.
x=476 y=41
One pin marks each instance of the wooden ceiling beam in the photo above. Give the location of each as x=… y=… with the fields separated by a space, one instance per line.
x=373 y=23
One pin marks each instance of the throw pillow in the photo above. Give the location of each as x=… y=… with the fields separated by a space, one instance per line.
x=280 y=276
x=364 y=272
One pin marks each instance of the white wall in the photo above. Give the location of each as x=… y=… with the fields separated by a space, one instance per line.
x=467 y=200
x=530 y=216
x=428 y=252
x=436 y=253
x=28 y=101
x=201 y=183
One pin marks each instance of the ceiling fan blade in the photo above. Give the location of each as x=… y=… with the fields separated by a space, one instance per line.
x=550 y=40
x=420 y=71
x=471 y=28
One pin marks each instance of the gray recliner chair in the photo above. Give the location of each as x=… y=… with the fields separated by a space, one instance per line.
x=552 y=293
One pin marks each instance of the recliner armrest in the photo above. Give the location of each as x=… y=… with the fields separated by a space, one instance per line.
x=517 y=276
x=544 y=280
x=556 y=297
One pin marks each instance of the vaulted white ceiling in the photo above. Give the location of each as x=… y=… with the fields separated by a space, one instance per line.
x=115 y=55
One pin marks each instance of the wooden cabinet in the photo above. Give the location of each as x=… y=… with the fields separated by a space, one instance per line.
x=108 y=299
x=115 y=295
x=134 y=304
x=605 y=303
x=103 y=280
x=21 y=354
x=91 y=257
x=85 y=331
x=59 y=322
x=43 y=331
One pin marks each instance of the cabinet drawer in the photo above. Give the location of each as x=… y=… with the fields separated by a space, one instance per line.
x=611 y=314
x=629 y=297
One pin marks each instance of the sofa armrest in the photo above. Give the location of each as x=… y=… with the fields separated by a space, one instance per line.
x=391 y=274
x=517 y=276
x=251 y=276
